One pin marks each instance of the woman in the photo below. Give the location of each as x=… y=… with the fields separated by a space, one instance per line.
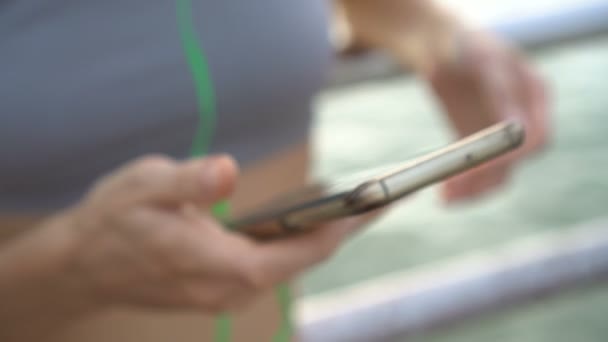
x=91 y=254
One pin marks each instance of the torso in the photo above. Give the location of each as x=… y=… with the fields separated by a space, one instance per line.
x=89 y=85
x=83 y=93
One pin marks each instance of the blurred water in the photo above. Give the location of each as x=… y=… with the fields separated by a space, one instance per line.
x=378 y=122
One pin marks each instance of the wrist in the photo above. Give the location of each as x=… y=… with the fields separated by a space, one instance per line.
x=421 y=34
x=65 y=239
x=39 y=290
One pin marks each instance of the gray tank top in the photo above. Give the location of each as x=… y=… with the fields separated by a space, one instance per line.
x=87 y=85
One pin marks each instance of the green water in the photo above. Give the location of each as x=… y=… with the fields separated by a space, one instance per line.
x=377 y=122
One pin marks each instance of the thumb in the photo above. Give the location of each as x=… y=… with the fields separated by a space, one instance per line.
x=198 y=181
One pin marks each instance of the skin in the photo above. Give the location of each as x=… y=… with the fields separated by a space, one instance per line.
x=143 y=239
x=478 y=79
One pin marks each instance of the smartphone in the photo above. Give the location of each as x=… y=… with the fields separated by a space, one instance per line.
x=304 y=209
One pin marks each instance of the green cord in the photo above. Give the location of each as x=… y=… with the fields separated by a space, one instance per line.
x=285 y=332
x=223 y=328
x=205 y=96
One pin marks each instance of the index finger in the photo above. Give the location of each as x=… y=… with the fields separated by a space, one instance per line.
x=281 y=260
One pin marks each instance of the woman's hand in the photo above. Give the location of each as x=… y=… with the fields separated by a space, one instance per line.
x=478 y=79
x=144 y=237
x=147 y=239
x=487 y=83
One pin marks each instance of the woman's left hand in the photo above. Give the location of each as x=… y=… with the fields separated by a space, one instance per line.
x=489 y=82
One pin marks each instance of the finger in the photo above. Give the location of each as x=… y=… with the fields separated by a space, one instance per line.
x=491 y=180
x=256 y=267
x=497 y=86
x=200 y=181
x=464 y=91
x=211 y=295
x=283 y=259
x=476 y=182
x=534 y=95
x=120 y=184
x=187 y=246
x=454 y=189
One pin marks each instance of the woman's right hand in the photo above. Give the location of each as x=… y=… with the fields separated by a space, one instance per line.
x=144 y=236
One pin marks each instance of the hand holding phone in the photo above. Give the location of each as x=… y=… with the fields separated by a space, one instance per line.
x=316 y=204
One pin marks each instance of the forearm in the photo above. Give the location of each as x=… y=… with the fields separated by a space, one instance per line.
x=418 y=32
x=37 y=294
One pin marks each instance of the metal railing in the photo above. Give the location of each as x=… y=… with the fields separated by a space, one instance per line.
x=533 y=30
x=436 y=295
